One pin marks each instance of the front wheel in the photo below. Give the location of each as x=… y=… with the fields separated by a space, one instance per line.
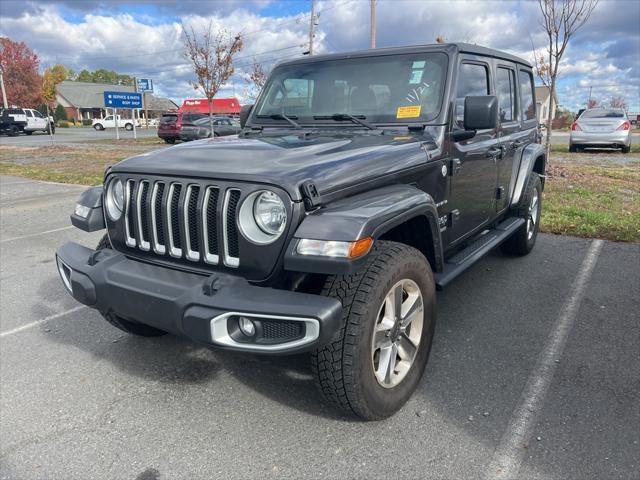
x=128 y=126
x=389 y=315
x=524 y=239
x=98 y=127
x=129 y=326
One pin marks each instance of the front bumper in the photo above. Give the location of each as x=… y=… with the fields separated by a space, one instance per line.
x=198 y=307
x=617 y=138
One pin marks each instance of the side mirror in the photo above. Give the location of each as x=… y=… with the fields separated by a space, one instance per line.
x=245 y=111
x=481 y=112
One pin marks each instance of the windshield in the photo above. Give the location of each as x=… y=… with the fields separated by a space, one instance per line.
x=602 y=113
x=385 y=89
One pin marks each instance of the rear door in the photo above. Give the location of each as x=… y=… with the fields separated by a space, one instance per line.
x=473 y=182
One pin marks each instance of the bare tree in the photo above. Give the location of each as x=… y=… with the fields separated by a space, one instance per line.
x=593 y=103
x=561 y=19
x=618 y=102
x=211 y=54
x=257 y=77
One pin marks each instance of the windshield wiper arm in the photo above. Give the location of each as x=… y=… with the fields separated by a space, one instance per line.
x=358 y=119
x=282 y=116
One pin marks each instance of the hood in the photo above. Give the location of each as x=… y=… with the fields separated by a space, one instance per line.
x=331 y=161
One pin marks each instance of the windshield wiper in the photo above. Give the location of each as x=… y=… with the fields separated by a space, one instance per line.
x=357 y=119
x=282 y=116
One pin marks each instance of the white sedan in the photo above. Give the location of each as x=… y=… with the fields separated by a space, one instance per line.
x=110 y=122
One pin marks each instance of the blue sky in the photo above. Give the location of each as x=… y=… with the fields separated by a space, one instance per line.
x=144 y=37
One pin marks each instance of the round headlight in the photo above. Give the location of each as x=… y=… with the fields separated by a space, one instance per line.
x=269 y=212
x=262 y=217
x=114 y=199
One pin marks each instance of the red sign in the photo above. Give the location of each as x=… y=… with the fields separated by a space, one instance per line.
x=224 y=106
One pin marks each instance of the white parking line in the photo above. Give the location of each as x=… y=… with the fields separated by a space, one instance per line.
x=21 y=182
x=35 y=323
x=508 y=456
x=4 y=240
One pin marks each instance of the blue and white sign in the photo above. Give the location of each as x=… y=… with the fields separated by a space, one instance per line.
x=145 y=84
x=122 y=100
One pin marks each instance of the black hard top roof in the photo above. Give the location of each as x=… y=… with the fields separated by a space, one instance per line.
x=435 y=47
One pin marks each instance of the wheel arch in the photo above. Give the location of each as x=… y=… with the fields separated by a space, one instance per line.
x=534 y=159
x=401 y=213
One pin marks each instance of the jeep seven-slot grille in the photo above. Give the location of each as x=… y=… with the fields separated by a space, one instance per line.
x=182 y=220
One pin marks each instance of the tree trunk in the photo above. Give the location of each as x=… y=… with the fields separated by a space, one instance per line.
x=547 y=143
x=211 y=117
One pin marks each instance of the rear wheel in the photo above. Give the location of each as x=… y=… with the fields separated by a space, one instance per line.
x=28 y=132
x=14 y=131
x=626 y=148
x=389 y=315
x=128 y=126
x=129 y=326
x=524 y=239
x=169 y=140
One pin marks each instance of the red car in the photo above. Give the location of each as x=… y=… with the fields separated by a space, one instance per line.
x=169 y=127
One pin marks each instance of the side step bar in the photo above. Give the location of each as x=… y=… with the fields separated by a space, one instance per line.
x=478 y=248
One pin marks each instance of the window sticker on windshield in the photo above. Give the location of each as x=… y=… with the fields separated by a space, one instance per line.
x=418 y=64
x=409 y=111
x=416 y=77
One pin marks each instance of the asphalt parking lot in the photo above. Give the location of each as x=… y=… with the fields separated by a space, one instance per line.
x=534 y=373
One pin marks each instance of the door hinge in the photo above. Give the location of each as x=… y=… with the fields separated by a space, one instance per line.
x=454 y=217
x=499 y=193
x=455 y=166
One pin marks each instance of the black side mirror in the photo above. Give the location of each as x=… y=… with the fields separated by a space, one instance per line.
x=481 y=112
x=245 y=111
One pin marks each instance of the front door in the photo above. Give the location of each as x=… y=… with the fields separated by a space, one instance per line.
x=474 y=161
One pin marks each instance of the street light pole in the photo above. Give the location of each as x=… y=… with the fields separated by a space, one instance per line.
x=312 y=26
x=373 y=24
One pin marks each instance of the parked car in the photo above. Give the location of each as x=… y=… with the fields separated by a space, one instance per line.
x=110 y=122
x=17 y=120
x=601 y=127
x=169 y=127
x=360 y=184
x=201 y=128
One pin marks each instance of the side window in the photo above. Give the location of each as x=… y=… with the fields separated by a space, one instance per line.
x=36 y=113
x=526 y=96
x=108 y=118
x=473 y=80
x=505 y=90
x=28 y=112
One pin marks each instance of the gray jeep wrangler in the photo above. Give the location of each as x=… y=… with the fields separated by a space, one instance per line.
x=360 y=184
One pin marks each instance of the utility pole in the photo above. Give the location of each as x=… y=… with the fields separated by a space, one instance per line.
x=4 y=92
x=312 y=26
x=589 y=101
x=373 y=23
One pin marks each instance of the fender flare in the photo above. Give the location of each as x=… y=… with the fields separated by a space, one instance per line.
x=94 y=221
x=369 y=214
x=530 y=154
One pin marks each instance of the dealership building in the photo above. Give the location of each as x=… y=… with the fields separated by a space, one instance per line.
x=85 y=100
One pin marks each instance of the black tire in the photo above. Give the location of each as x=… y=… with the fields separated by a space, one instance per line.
x=53 y=129
x=572 y=148
x=522 y=242
x=343 y=369
x=128 y=326
x=28 y=132
x=98 y=127
x=170 y=140
x=128 y=126
x=626 y=148
x=14 y=131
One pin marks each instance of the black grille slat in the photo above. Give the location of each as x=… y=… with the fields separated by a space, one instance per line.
x=212 y=221
x=175 y=217
x=232 y=229
x=131 y=206
x=144 y=218
x=192 y=212
x=158 y=214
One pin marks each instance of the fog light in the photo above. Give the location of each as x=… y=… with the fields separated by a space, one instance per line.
x=246 y=326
